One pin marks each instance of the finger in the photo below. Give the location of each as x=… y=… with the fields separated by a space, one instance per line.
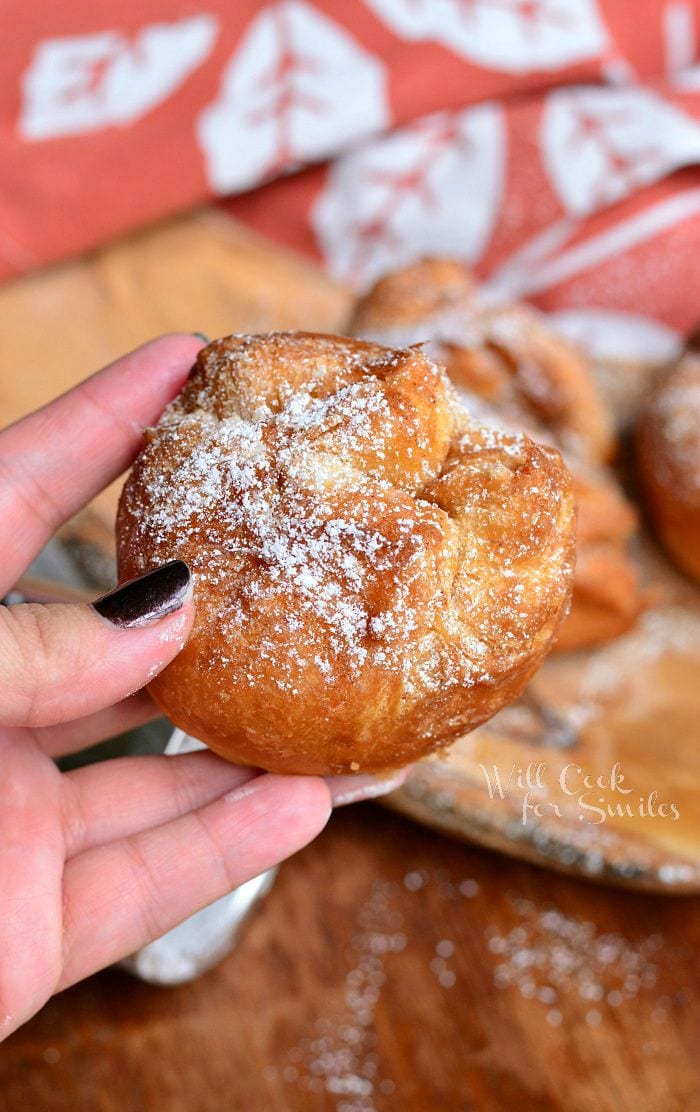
x=355 y=789
x=55 y=460
x=60 y=662
x=121 y=896
x=113 y=799
x=71 y=737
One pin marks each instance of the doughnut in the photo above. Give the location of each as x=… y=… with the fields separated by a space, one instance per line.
x=511 y=370
x=668 y=459
x=504 y=353
x=375 y=574
x=607 y=596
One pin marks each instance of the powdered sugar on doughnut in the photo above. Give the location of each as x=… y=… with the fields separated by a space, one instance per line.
x=337 y=510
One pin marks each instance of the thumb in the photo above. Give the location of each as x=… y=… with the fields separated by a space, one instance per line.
x=60 y=662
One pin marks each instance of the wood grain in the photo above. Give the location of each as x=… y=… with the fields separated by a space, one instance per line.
x=382 y=938
x=238 y=1039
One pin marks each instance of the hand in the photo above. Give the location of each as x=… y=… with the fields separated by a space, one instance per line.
x=95 y=863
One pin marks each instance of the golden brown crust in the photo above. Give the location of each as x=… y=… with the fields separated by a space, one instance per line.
x=607 y=597
x=510 y=366
x=668 y=457
x=374 y=575
x=504 y=353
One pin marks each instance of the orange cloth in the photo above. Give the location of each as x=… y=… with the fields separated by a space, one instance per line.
x=551 y=143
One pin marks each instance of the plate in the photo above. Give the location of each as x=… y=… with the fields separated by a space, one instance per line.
x=595 y=770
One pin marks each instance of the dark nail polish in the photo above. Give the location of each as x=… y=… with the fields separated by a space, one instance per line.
x=202 y=337
x=146 y=598
x=693 y=341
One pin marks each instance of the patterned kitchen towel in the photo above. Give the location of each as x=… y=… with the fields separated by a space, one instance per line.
x=553 y=144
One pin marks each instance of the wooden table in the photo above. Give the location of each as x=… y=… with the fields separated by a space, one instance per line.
x=382 y=971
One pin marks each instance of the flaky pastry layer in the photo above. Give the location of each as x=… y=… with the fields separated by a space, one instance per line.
x=511 y=367
x=374 y=574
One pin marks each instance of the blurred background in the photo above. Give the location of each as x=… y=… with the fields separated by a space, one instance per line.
x=214 y=167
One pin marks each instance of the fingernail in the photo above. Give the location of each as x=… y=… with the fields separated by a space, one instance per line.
x=354 y=789
x=146 y=598
x=202 y=337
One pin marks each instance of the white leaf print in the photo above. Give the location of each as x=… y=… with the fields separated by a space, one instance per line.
x=513 y=36
x=433 y=187
x=599 y=145
x=86 y=82
x=297 y=89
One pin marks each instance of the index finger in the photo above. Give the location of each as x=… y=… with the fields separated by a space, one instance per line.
x=55 y=460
